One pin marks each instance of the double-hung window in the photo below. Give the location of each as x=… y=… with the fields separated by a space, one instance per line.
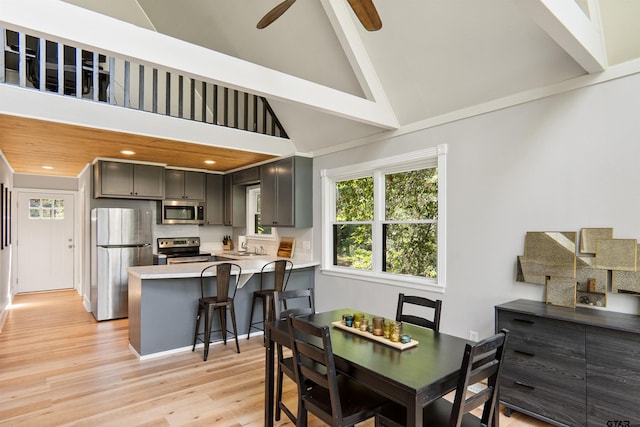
x=255 y=229
x=384 y=220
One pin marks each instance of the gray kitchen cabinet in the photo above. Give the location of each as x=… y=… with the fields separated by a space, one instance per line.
x=570 y=367
x=247 y=176
x=128 y=180
x=180 y=184
x=235 y=210
x=215 y=200
x=285 y=192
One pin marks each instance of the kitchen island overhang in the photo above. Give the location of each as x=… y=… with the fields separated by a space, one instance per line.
x=163 y=300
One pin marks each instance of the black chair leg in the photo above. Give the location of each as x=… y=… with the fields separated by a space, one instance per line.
x=208 y=319
x=279 y=379
x=223 y=323
x=195 y=334
x=253 y=305
x=233 y=323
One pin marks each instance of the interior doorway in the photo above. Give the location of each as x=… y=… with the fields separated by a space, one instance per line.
x=45 y=241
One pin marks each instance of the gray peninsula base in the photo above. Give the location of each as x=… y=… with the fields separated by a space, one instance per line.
x=162 y=312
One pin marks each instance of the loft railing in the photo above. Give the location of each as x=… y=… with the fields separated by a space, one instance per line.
x=49 y=66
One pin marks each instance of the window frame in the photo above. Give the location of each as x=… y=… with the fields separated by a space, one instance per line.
x=431 y=157
x=251 y=190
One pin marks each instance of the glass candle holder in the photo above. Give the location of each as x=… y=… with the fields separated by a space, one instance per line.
x=386 y=328
x=377 y=326
x=357 y=319
x=348 y=320
x=364 y=325
x=395 y=331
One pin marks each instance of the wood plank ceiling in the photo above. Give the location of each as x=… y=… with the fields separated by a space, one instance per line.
x=29 y=144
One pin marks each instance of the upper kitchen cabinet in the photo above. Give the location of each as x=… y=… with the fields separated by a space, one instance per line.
x=215 y=200
x=180 y=184
x=128 y=180
x=247 y=176
x=234 y=203
x=285 y=193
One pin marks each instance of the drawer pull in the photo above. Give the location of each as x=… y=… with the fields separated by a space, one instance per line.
x=524 y=352
x=531 y=322
x=520 y=383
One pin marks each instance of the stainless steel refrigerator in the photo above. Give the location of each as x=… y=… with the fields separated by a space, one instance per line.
x=120 y=238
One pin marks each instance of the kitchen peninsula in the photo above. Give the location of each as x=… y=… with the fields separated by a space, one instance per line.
x=163 y=300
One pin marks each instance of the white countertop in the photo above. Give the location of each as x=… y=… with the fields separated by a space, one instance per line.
x=250 y=265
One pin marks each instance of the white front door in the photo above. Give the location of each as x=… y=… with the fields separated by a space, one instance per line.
x=45 y=241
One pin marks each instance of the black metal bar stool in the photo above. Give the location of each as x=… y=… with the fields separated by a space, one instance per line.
x=281 y=272
x=225 y=293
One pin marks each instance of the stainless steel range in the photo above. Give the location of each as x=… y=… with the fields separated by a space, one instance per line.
x=178 y=250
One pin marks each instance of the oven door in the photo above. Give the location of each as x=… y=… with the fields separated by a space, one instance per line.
x=187 y=259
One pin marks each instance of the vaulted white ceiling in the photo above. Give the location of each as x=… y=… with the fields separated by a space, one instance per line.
x=338 y=83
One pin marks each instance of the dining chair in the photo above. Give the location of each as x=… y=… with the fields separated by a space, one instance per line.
x=223 y=300
x=335 y=399
x=481 y=365
x=436 y=305
x=303 y=305
x=281 y=272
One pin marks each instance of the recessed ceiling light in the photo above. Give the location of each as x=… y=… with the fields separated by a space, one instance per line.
x=47 y=167
x=210 y=162
x=128 y=152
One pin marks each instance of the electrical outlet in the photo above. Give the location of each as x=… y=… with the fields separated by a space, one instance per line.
x=473 y=336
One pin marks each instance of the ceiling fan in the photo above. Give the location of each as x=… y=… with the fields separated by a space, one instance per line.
x=364 y=10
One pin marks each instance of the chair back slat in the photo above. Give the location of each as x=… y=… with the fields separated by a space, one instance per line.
x=226 y=287
x=436 y=305
x=281 y=272
x=313 y=361
x=482 y=361
x=302 y=299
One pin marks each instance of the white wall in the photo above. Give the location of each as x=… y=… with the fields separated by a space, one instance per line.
x=557 y=164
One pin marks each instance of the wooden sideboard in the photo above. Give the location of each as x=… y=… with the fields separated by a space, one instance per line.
x=570 y=367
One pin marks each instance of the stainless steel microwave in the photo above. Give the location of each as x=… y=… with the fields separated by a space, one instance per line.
x=181 y=212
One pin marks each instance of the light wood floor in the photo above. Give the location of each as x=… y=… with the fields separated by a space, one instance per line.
x=60 y=367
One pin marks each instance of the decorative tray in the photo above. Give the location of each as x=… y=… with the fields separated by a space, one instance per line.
x=400 y=346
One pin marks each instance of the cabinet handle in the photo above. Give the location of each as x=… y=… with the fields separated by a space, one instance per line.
x=520 y=383
x=531 y=322
x=524 y=352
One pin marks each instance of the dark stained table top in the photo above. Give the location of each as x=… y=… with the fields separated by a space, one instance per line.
x=413 y=377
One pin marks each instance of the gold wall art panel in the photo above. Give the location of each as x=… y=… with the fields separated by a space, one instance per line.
x=626 y=282
x=591 y=283
x=550 y=254
x=561 y=291
x=616 y=254
x=589 y=237
x=521 y=276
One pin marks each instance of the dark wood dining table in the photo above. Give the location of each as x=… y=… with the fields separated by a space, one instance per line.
x=413 y=377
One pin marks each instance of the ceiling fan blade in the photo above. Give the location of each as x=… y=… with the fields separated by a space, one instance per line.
x=274 y=13
x=367 y=14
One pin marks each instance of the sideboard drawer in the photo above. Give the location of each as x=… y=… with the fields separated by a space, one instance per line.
x=544 y=336
x=558 y=407
x=556 y=375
